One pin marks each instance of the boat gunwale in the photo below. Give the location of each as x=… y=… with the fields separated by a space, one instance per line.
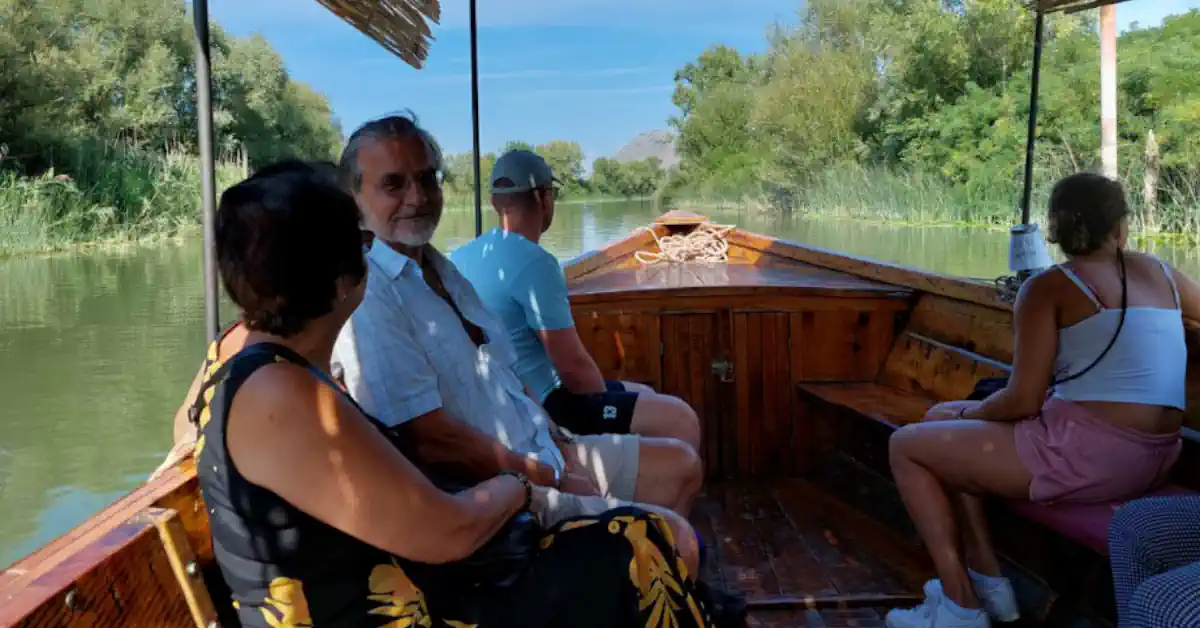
x=899 y=275
x=20 y=593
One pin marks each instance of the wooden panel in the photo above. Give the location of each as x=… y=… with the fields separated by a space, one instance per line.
x=762 y=370
x=976 y=328
x=840 y=345
x=935 y=371
x=625 y=345
x=132 y=584
x=184 y=565
x=727 y=396
x=22 y=586
x=745 y=420
x=881 y=403
x=690 y=345
x=189 y=506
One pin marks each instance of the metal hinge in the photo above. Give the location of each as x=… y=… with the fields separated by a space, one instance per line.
x=723 y=369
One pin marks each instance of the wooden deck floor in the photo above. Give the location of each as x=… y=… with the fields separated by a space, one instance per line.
x=802 y=558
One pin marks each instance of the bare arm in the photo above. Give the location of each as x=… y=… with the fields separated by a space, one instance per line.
x=571 y=359
x=301 y=440
x=1189 y=297
x=1036 y=329
x=183 y=432
x=443 y=441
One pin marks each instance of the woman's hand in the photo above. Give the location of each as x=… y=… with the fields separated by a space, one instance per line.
x=950 y=410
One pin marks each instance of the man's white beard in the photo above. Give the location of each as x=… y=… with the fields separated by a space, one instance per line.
x=420 y=237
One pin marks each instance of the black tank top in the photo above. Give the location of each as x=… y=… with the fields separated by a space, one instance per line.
x=287 y=569
x=284 y=567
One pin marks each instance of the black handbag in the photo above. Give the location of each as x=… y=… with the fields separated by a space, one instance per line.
x=988 y=386
x=498 y=563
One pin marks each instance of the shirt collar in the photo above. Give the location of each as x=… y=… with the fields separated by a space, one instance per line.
x=396 y=264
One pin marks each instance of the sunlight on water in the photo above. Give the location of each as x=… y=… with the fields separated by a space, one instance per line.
x=96 y=351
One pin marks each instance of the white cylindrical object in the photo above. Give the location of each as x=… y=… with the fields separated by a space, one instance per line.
x=1027 y=249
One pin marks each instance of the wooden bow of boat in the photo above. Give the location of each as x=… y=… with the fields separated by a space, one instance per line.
x=799 y=361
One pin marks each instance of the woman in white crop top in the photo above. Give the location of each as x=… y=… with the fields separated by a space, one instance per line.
x=1067 y=427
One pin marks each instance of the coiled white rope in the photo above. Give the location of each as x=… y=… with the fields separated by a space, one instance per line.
x=706 y=243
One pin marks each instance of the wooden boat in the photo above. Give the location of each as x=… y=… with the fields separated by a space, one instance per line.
x=799 y=360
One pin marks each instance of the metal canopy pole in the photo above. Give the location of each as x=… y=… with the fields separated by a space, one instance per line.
x=207 y=180
x=1033 y=111
x=475 y=120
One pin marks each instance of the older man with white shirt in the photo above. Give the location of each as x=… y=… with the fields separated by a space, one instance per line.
x=424 y=355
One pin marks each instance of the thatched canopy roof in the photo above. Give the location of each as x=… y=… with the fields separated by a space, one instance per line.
x=1071 y=6
x=401 y=26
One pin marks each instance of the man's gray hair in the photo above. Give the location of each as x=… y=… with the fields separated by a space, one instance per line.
x=393 y=127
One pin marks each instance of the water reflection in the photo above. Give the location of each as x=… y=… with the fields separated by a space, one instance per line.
x=96 y=350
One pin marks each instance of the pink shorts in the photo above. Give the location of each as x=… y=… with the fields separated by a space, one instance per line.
x=1075 y=456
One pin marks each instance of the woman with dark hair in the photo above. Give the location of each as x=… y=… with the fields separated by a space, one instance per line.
x=1091 y=412
x=230 y=341
x=317 y=516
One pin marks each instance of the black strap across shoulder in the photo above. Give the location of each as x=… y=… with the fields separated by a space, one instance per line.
x=1120 y=324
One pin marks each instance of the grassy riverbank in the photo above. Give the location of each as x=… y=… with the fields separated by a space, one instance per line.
x=916 y=199
x=112 y=196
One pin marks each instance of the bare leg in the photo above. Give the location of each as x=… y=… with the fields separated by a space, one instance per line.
x=663 y=416
x=977 y=539
x=669 y=474
x=929 y=460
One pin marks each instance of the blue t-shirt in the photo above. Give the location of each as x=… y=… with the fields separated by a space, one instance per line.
x=523 y=284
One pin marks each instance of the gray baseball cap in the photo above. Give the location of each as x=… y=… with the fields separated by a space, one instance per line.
x=526 y=169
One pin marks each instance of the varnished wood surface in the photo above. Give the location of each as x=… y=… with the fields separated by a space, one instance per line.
x=130 y=585
x=786 y=544
x=611 y=253
x=657 y=278
x=881 y=403
x=925 y=367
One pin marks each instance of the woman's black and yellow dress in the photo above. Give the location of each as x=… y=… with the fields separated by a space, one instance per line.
x=285 y=568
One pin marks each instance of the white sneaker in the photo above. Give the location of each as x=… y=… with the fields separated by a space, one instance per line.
x=934 y=613
x=997 y=596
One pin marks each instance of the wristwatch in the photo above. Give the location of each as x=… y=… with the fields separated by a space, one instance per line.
x=557 y=477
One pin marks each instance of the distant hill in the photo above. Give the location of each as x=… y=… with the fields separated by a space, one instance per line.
x=650 y=144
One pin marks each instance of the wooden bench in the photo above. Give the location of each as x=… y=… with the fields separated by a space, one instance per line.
x=936 y=358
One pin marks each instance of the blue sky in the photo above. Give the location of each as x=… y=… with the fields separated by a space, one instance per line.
x=595 y=71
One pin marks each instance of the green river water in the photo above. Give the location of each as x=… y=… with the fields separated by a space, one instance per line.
x=96 y=350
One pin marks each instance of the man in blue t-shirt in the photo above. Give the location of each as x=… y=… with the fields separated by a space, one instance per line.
x=523 y=284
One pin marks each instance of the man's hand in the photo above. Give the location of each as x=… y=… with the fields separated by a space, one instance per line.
x=578 y=484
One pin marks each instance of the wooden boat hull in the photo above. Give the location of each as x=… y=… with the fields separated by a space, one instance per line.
x=761 y=347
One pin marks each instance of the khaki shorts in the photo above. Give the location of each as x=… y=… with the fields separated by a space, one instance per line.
x=611 y=461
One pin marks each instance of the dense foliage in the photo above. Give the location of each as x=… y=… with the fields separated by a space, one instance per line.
x=609 y=177
x=99 y=104
x=933 y=95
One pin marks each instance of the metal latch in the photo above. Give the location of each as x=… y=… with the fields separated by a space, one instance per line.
x=723 y=369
